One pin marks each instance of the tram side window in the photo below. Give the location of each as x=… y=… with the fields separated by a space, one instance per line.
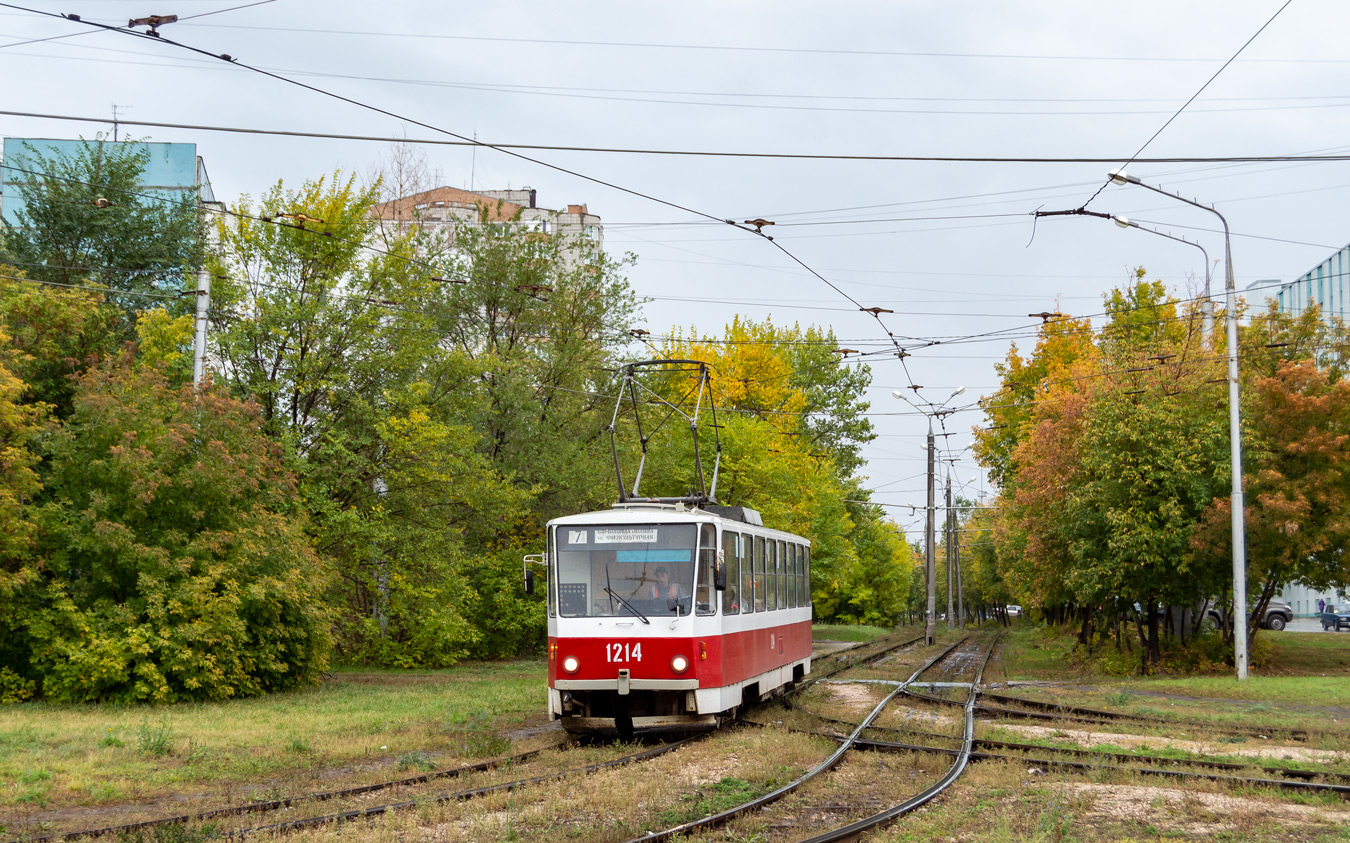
x=773 y=566
x=782 y=575
x=797 y=573
x=731 y=552
x=792 y=575
x=770 y=601
x=704 y=594
x=747 y=576
x=760 y=581
x=806 y=575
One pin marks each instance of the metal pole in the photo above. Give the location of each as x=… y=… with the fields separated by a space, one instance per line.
x=951 y=534
x=930 y=619
x=199 y=340
x=1235 y=456
x=1234 y=433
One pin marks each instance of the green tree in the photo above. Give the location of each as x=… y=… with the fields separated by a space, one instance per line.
x=89 y=219
x=55 y=334
x=20 y=566
x=343 y=337
x=543 y=317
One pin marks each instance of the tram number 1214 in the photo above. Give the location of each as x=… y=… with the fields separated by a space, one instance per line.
x=617 y=652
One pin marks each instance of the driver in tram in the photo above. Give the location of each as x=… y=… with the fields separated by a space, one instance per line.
x=664 y=589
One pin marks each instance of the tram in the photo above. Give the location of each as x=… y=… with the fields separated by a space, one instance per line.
x=670 y=614
x=663 y=617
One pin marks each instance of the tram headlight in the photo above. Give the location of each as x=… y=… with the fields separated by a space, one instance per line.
x=571 y=665
x=679 y=664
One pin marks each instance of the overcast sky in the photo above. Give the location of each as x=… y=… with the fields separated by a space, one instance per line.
x=993 y=78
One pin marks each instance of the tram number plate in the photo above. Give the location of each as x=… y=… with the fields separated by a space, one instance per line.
x=623 y=652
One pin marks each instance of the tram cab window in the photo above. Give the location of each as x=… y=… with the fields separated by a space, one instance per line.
x=625 y=570
x=705 y=596
x=760 y=582
x=747 y=575
x=731 y=551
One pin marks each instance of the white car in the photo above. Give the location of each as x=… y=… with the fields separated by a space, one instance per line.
x=1014 y=611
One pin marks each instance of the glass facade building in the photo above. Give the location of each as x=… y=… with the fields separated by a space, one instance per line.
x=1327 y=284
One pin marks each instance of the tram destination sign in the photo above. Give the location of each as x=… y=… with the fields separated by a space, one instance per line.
x=625 y=535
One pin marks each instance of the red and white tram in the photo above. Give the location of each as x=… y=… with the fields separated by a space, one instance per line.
x=667 y=616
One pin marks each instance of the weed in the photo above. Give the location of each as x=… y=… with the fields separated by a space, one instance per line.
x=1119 y=699
x=197 y=753
x=39 y=785
x=483 y=744
x=153 y=740
x=1055 y=822
x=105 y=792
x=415 y=761
x=722 y=795
x=297 y=745
x=171 y=834
x=111 y=739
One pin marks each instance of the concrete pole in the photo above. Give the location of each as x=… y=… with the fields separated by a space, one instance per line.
x=960 y=592
x=951 y=537
x=929 y=541
x=199 y=342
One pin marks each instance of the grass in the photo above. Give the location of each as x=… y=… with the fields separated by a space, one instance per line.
x=847 y=632
x=371 y=725
x=358 y=723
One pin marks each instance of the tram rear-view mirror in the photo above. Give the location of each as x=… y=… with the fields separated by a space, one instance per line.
x=720 y=573
x=529 y=582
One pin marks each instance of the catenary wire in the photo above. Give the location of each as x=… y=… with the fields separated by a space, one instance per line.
x=507 y=147
x=1154 y=136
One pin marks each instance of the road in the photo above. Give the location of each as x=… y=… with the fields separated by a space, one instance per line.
x=1305 y=625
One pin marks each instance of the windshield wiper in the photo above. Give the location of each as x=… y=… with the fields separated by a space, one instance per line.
x=619 y=597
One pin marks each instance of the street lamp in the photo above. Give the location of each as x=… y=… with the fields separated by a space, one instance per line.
x=1206 y=306
x=930 y=618
x=1234 y=429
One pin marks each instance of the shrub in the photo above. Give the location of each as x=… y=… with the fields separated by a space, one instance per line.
x=173 y=567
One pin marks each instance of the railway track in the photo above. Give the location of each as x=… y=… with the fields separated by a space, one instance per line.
x=971 y=659
x=216 y=816
x=931 y=687
x=222 y=818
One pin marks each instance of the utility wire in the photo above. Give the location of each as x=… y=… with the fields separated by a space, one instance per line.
x=752 y=49
x=507 y=147
x=386 y=112
x=1154 y=137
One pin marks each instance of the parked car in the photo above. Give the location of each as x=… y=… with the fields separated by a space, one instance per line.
x=1278 y=615
x=1336 y=618
x=1013 y=610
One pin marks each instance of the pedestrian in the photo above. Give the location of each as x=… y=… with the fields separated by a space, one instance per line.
x=1321 y=605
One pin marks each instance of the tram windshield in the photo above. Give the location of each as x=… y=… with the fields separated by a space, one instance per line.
x=625 y=570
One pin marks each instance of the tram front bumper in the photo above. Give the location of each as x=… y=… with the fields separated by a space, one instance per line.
x=635 y=684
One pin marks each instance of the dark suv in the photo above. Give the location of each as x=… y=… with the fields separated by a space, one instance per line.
x=1278 y=615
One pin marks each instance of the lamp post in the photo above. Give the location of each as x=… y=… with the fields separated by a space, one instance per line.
x=929 y=539
x=1206 y=306
x=1234 y=430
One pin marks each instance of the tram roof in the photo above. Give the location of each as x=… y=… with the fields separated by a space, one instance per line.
x=670 y=513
